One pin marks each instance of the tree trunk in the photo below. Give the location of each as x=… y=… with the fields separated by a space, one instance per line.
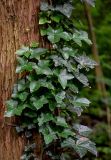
x=98 y=71
x=18 y=26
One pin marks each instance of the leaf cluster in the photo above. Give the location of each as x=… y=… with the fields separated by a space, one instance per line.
x=46 y=97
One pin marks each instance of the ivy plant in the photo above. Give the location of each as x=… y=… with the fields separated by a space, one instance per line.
x=46 y=97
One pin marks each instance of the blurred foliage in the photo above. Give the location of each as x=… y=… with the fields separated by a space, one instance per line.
x=101 y=15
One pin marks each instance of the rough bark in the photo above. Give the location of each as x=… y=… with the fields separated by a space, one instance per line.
x=18 y=26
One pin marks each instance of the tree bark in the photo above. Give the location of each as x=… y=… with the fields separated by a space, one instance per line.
x=18 y=26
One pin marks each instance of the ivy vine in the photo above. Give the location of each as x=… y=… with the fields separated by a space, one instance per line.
x=46 y=97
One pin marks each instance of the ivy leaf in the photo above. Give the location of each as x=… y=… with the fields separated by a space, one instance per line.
x=43 y=20
x=82 y=102
x=67 y=52
x=19 y=109
x=82 y=78
x=44 y=6
x=77 y=109
x=85 y=61
x=66 y=133
x=48 y=138
x=23 y=96
x=66 y=36
x=83 y=145
x=59 y=97
x=64 y=77
x=36 y=53
x=82 y=130
x=42 y=68
x=65 y=9
x=43 y=32
x=40 y=102
x=56 y=18
x=48 y=133
x=73 y=88
x=80 y=36
x=61 y=122
x=54 y=35
x=22 y=51
x=44 y=118
x=26 y=67
x=34 y=86
x=68 y=143
x=11 y=105
x=21 y=85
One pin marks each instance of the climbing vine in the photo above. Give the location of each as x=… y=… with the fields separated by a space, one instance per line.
x=46 y=97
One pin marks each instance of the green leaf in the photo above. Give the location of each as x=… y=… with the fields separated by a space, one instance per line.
x=52 y=105
x=44 y=6
x=11 y=105
x=80 y=36
x=23 y=96
x=43 y=32
x=66 y=133
x=61 y=122
x=19 y=109
x=34 y=86
x=66 y=36
x=85 y=62
x=76 y=109
x=48 y=133
x=48 y=138
x=21 y=85
x=43 y=20
x=64 y=77
x=56 y=18
x=82 y=130
x=82 y=102
x=44 y=118
x=36 y=53
x=54 y=35
x=59 y=97
x=26 y=67
x=40 y=102
x=66 y=9
x=82 y=78
x=83 y=145
x=73 y=88
x=43 y=68
x=24 y=50
x=67 y=52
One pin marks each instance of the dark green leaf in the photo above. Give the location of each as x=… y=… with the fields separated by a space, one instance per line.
x=36 y=53
x=44 y=118
x=61 y=122
x=44 y=6
x=64 y=77
x=23 y=96
x=85 y=62
x=82 y=78
x=82 y=130
x=40 y=102
x=67 y=52
x=60 y=97
x=54 y=35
